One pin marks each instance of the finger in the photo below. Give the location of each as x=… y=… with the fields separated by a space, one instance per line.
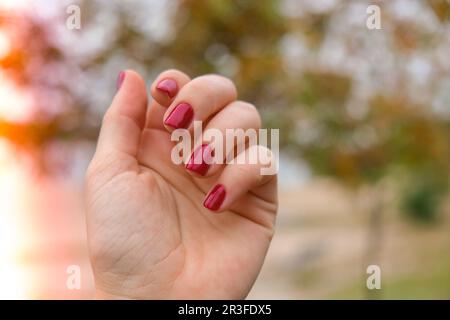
x=234 y=126
x=167 y=85
x=123 y=121
x=240 y=177
x=198 y=100
x=163 y=90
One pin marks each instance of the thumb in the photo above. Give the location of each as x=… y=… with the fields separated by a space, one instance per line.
x=122 y=125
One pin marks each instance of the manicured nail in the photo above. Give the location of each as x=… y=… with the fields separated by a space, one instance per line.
x=199 y=162
x=120 y=79
x=181 y=116
x=168 y=86
x=215 y=198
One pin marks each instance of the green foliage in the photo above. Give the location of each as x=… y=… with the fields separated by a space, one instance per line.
x=421 y=200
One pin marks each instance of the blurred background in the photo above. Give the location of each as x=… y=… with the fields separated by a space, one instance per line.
x=364 y=119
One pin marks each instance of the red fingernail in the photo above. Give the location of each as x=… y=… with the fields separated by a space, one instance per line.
x=215 y=198
x=181 y=116
x=199 y=162
x=120 y=79
x=168 y=86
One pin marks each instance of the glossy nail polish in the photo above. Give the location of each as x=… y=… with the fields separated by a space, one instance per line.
x=215 y=198
x=168 y=86
x=120 y=79
x=180 y=117
x=200 y=160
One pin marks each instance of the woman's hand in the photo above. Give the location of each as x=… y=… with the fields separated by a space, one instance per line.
x=151 y=234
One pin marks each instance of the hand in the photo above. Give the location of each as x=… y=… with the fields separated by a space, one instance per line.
x=150 y=232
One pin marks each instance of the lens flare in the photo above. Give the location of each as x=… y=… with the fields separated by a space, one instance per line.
x=5 y=45
x=15 y=104
x=13 y=278
x=13 y=4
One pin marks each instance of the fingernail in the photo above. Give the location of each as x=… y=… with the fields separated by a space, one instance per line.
x=168 y=86
x=215 y=198
x=181 y=116
x=120 y=79
x=199 y=160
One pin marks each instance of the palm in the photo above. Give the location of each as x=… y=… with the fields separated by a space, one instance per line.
x=154 y=226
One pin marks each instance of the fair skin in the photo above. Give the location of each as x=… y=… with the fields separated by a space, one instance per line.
x=149 y=234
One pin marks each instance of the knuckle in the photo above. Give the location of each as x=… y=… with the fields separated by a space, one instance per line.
x=198 y=84
x=249 y=108
x=217 y=80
